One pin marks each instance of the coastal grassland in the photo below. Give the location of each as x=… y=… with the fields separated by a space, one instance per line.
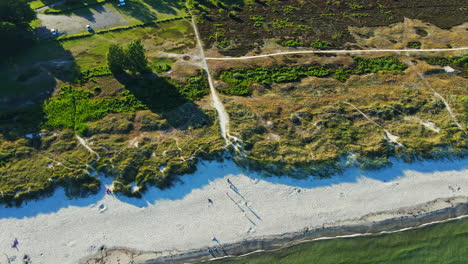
x=237 y=27
x=297 y=122
x=439 y=243
x=145 y=129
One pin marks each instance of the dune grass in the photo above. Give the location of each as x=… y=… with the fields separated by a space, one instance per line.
x=440 y=243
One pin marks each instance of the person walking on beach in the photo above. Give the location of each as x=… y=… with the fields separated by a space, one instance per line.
x=229 y=181
x=15 y=244
x=108 y=191
x=210 y=201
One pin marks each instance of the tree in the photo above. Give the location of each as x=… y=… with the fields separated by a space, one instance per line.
x=15 y=32
x=116 y=59
x=17 y=12
x=136 y=58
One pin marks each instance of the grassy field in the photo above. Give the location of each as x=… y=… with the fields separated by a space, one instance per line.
x=170 y=37
x=440 y=243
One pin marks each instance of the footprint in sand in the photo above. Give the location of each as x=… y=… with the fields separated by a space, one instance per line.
x=102 y=208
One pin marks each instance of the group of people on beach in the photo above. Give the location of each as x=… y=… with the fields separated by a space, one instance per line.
x=231 y=185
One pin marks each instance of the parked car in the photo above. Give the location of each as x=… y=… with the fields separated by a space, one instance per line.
x=53 y=32
x=89 y=28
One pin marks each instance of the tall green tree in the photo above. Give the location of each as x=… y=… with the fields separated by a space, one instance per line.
x=15 y=32
x=136 y=58
x=116 y=59
x=17 y=12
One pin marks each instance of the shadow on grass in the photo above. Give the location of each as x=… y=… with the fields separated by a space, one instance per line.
x=166 y=6
x=28 y=81
x=163 y=97
x=138 y=10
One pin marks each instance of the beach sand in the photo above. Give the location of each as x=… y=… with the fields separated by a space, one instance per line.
x=58 y=230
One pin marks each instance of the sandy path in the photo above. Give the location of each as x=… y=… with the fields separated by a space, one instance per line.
x=56 y=230
x=280 y=53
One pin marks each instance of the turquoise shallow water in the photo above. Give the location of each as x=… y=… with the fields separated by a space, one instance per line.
x=439 y=244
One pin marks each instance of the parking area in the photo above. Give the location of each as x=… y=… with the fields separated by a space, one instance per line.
x=99 y=17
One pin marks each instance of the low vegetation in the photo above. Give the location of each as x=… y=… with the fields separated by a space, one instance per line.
x=305 y=123
x=237 y=27
x=240 y=81
x=147 y=127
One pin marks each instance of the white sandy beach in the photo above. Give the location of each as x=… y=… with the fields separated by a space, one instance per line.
x=57 y=230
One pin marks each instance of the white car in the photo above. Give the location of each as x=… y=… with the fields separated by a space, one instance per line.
x=88 y=27
x=53 y=32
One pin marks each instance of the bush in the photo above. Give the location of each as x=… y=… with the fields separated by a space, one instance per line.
x=292 y=43
x=414 y=45
x=390 y=64
x=94 y=72
x=318 y=44
x=239 y=81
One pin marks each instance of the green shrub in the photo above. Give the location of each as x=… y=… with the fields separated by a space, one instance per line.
x=239 y=81
x=414 y=45
x=318 y=44
x=95 y=72
x=292 y=43
x=195 y=88
x=391 y=64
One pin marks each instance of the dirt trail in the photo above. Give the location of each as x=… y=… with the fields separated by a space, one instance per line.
x=85 y=144
x=222 y=114
x=436 y=94
x=335 y=51
x=389 y=136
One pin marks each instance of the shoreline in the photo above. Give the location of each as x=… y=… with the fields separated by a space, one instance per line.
x=456 y=209
x=179 y=221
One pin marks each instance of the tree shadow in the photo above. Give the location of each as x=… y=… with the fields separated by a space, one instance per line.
x=29 y=80
x=163 y=97
x=138 y=10
x=166 y=7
